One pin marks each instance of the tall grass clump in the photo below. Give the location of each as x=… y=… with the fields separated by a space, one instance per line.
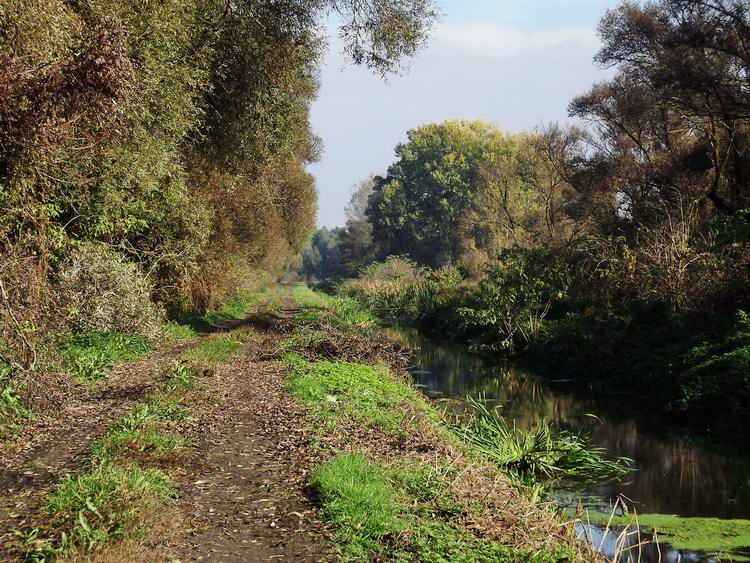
x=12 y=411
x=91 y=356
x=542 y=455
x=387 y=289
x=358 y=501
x=108 y=503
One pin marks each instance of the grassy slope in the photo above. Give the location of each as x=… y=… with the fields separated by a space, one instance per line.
x=396 y=503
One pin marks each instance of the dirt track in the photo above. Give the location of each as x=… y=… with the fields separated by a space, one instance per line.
x=242 y=489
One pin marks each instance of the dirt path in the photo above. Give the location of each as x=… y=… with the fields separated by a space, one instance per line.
x=244 y=494
x=242 y=491
x=52 y=447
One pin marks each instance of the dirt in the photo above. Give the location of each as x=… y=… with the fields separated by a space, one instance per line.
x=244 y=494
x=52 y=447
x=242 y=491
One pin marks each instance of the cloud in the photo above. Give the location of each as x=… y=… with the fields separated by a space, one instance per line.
x=498 y=40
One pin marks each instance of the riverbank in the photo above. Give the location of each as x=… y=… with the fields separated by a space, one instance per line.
x=690 y=368
x=272 y=435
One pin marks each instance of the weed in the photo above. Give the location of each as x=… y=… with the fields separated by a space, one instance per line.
x=92 y=355
x=109 y=503
x=12 y=411
x=137 y=433
x=358 y=501
x=180 y=377
x=540 y=455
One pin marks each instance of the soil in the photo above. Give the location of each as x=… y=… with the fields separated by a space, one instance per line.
x=242 y=490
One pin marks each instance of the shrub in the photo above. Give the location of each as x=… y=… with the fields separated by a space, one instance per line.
x=103 y=293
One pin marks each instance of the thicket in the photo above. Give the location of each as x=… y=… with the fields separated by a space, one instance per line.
x=153 y=153
x=619 y=248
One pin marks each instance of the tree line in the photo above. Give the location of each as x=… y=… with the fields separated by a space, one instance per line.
x=153 y=152
x=618 y=246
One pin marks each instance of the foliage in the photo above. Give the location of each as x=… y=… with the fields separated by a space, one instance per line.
x=90 y=356
x=173 y=133
x=417 y=207
x=358 y=501
x=513 y=299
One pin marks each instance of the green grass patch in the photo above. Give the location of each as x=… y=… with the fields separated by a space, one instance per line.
x=728 y=539
x=358 y=501
x=139 y=433
x=92 y=355
x=306 y=298
x=214 y=350
x=343 y=391
x=12 y=411
x=175 y=332
x=107 y=504
x=231 y=310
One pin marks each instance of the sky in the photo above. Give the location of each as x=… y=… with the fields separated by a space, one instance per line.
x=517 y=63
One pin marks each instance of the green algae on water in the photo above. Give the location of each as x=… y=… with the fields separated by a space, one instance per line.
x=728 y=538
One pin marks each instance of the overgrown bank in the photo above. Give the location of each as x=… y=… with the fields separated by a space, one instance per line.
x=690 y=366
x=397 y=483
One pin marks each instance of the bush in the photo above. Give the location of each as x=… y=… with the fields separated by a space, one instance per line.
x=103 y=293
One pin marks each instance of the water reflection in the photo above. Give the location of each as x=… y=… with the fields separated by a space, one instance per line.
x=673 y=473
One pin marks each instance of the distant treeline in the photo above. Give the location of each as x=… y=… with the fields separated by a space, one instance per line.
x=617 y=250
x=153 y=152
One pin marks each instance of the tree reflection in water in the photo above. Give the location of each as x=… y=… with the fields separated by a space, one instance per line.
x=674 y=472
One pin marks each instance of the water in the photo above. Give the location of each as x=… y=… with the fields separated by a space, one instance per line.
x=674 y=472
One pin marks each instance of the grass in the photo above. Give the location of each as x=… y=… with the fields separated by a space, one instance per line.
x=341 y=392
x=180 y=377
x=105 y=504
x=729 y=539
x=214 y=350
x=541 y=456
x=404 y=515
x=91 y=356
x=385 y=502
x=12 y=411
x=231 y=310
x=358 y=501
x=138 y=433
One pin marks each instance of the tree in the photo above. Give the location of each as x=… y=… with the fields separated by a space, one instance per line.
x=416 y=209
